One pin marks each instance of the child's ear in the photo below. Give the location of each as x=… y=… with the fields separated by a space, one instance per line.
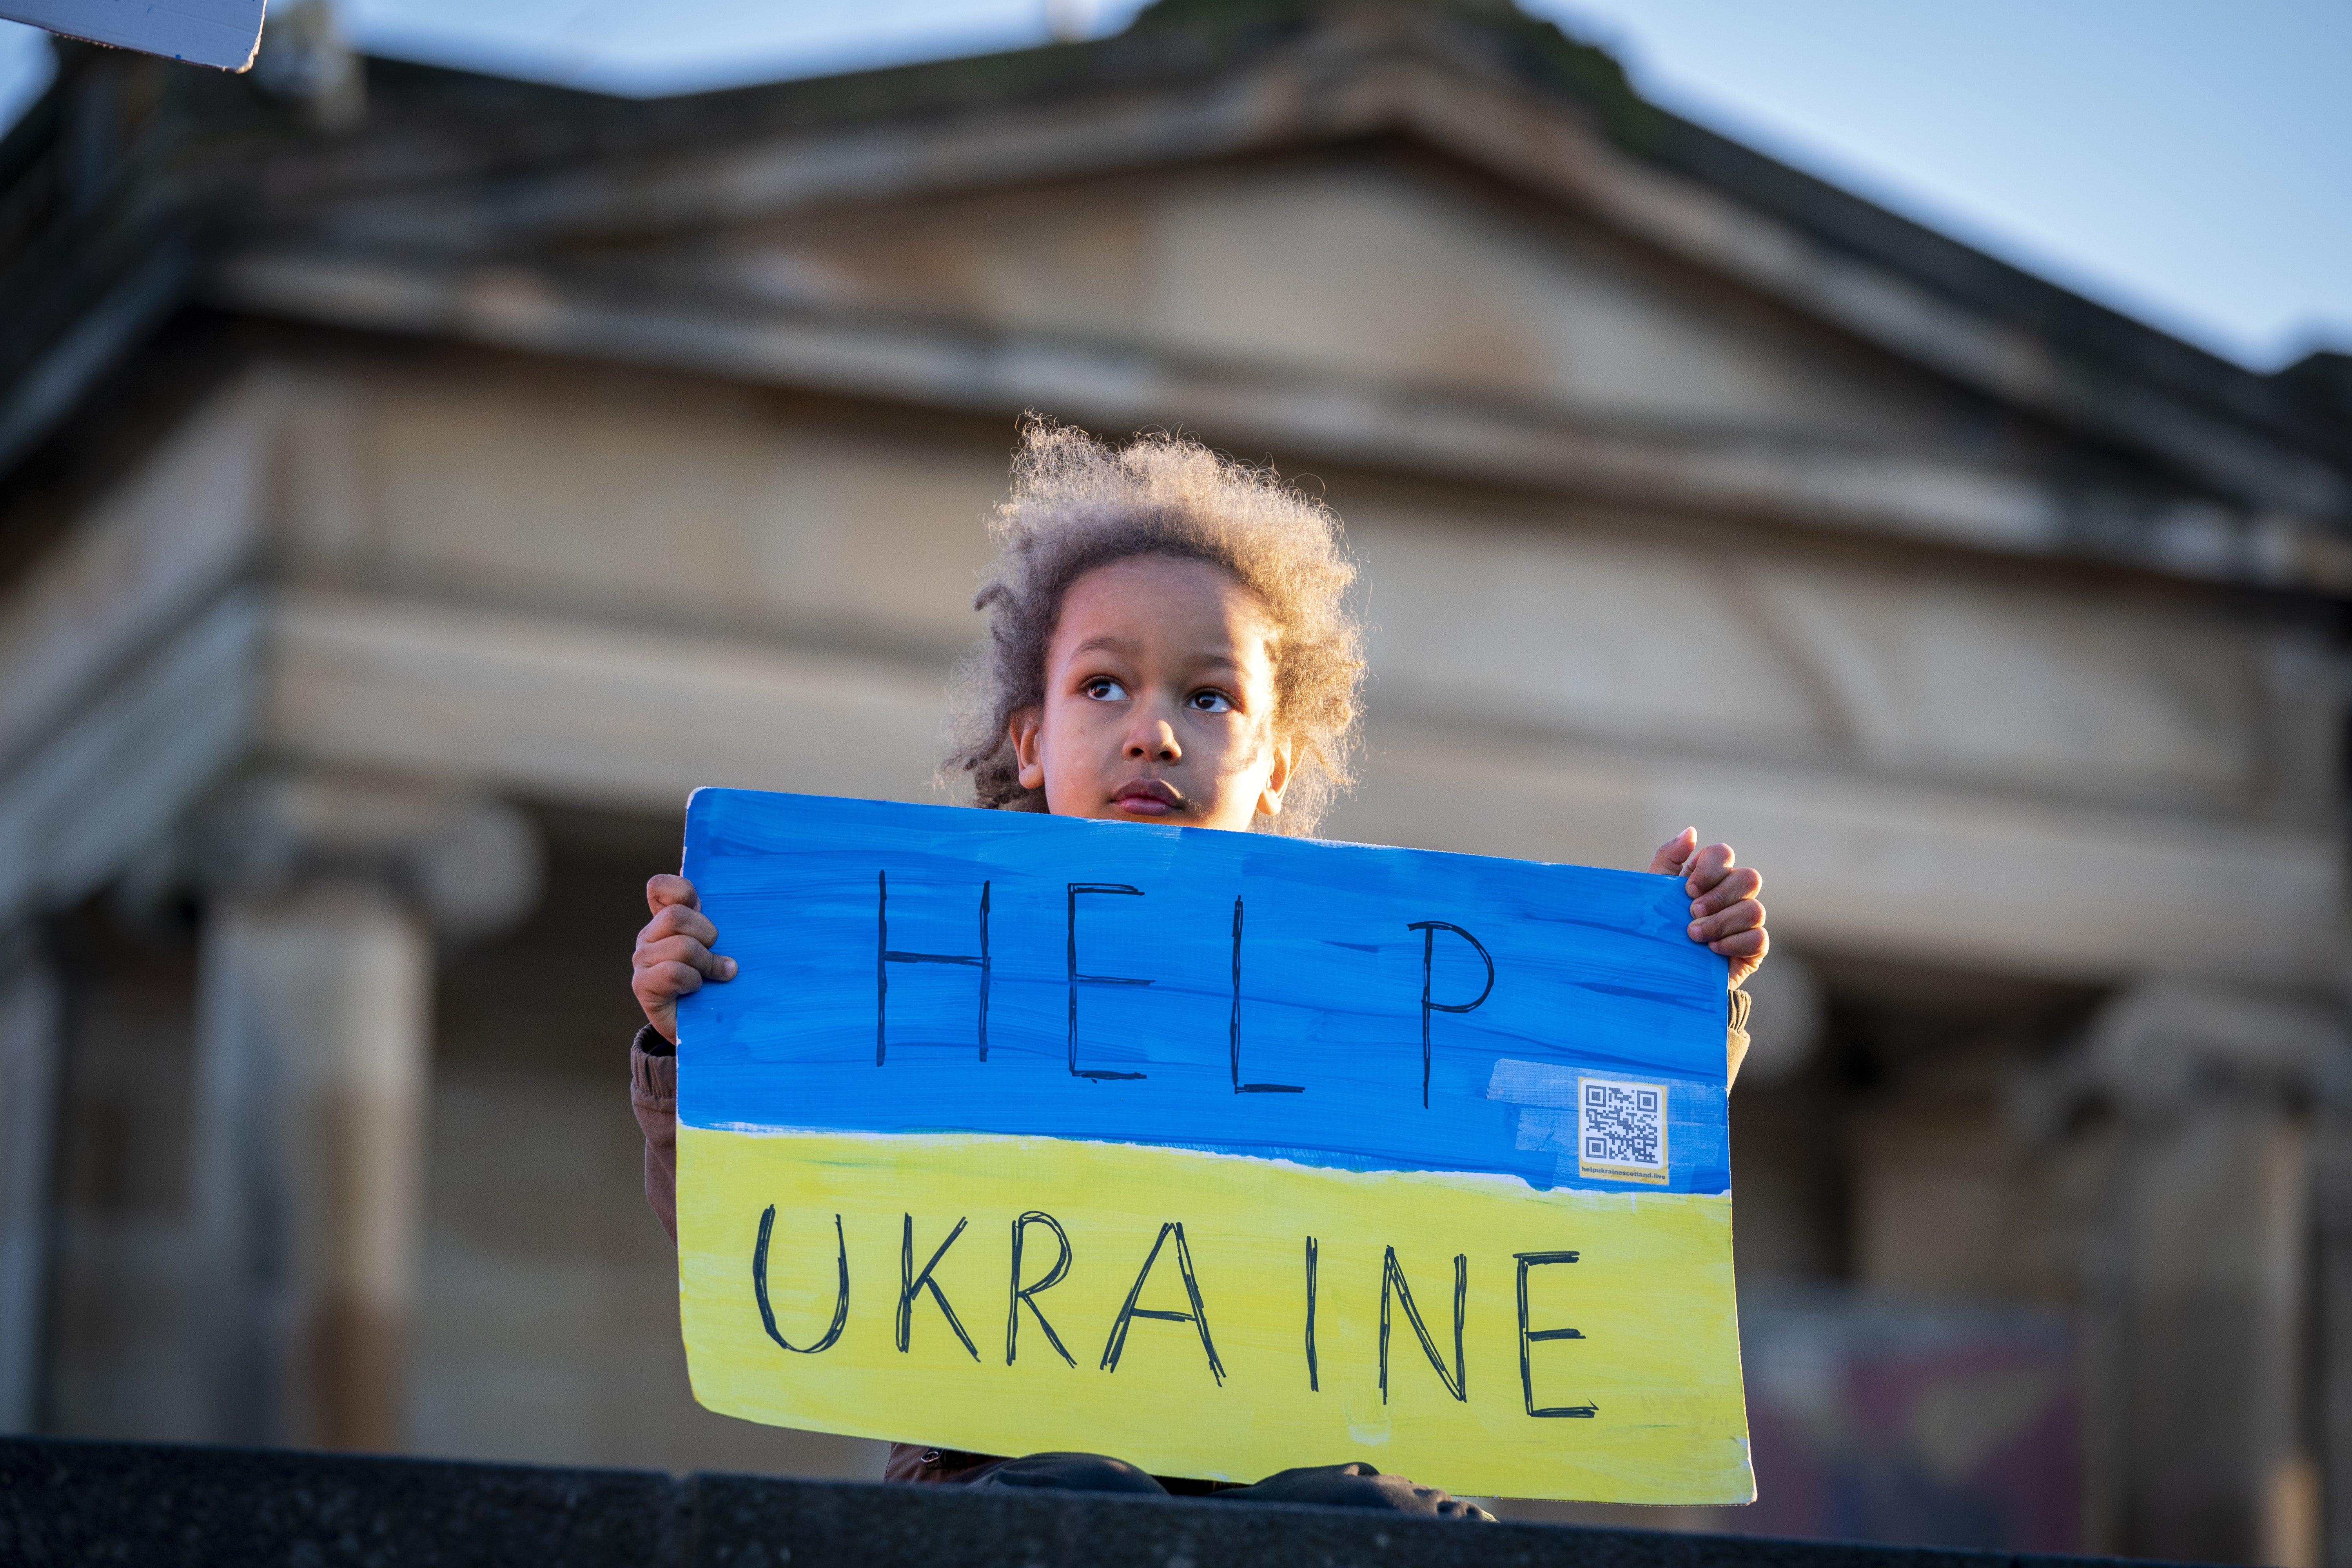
x=1277 y=779
x=1025 y=749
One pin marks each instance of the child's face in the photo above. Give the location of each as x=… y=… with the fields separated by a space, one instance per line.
x=1159 y=700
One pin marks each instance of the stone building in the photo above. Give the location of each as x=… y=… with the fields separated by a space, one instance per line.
x=412 y=483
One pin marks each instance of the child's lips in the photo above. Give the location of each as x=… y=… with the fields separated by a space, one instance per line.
x=1147 y=797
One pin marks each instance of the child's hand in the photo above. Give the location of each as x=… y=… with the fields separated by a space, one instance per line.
x=1724 y=911
x=674 y=953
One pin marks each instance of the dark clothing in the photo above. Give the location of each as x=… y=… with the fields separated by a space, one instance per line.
x=1064 y=1472
x=1332 y=1486
x=653 y=1095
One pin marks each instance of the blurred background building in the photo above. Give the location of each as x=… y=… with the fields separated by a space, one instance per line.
x=412 y=483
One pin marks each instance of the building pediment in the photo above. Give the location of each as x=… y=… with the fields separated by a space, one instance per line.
x=1438 y=236
x=1193 y=86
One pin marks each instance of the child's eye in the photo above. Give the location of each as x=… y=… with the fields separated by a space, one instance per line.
x=1210 y=703
x=1103 y=689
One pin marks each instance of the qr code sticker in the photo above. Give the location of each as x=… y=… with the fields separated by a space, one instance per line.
x=1621 y=1130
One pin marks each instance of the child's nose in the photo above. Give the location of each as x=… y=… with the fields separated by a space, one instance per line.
x=1154 y=740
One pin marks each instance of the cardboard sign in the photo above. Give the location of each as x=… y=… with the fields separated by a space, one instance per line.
x=1217 y=1152
x=221 y=33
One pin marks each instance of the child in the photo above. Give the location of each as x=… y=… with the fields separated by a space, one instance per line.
x=1169 y=642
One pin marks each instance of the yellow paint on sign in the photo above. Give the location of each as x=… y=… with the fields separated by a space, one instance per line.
x=1208 y=1349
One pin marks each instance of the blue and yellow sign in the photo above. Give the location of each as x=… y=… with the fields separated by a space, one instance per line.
x=1219 y=1152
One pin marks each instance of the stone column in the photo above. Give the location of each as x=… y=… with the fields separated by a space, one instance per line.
x=2332 y=1197
x=30 y=1018
x=314 y=1037
x=2203 y=1275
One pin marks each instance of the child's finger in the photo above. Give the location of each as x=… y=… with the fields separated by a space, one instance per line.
x=1745 y=882
x=679 y=920
x=1745 y=915
x=653 y=954
x=1746 y=945
x=1707 y=867
x=1673 y=852
x=660 y=984
x=687 y=950
x=666 y=889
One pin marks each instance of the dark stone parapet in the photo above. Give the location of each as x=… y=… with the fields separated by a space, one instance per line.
x=64 y=1501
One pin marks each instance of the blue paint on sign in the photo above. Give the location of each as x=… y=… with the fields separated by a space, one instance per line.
x=935 y=969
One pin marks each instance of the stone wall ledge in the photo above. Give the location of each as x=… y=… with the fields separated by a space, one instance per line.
x=70 y=1501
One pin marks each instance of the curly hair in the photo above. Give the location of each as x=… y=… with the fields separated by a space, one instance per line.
x=1077 y=503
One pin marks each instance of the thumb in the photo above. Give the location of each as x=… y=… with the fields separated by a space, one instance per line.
x=1674 y=853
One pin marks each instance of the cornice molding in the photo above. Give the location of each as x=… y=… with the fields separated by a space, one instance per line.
x=1361 y=75
x=1916 y=496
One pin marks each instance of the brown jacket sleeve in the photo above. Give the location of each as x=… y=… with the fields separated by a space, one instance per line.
x=653 y=1095
x=1735 y=1039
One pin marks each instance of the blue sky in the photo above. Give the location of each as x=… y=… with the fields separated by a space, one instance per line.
x=2185 y=161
